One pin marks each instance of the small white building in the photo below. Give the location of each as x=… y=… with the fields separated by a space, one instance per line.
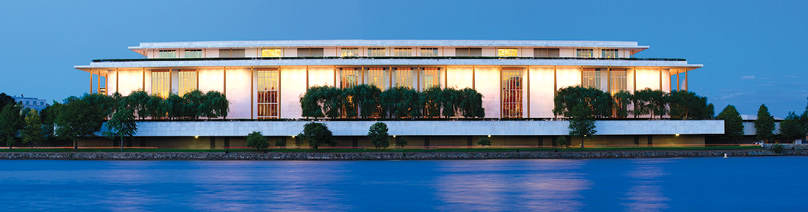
x=31 y=102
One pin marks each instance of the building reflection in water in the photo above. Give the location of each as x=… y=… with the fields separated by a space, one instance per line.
x=499 y=185
x=645 y=193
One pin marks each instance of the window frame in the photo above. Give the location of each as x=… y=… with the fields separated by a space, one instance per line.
x=268 y=85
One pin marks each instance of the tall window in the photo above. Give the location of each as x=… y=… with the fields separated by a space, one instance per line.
x=377 y=77
x=468 y=52
x=591 y=78
x=349 y=77
x=429 y=52
x=161 y=83
x=349 y=52
x=430 y=77
x=271 y=53
x=402 y=51
x=268 y=93
x=585 y=53
x=187 y=81
x=403 y=77
x=168 y=54
x=193 y=53
x=512 y=93
x=376 y=52
x=608 y=53
x=507 y=53
x=617 y=80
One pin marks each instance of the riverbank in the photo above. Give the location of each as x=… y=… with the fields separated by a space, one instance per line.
x=388 y=155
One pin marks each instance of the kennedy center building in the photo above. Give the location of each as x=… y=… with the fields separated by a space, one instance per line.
x=264 y=81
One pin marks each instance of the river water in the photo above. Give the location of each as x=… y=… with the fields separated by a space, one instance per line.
x=672 y=184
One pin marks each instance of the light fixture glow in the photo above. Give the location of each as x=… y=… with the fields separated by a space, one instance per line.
x=677 y=134
x=394 y=136
x=196 y=136
x=489 y=136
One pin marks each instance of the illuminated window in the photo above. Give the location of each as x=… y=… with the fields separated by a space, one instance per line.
x=429 y=52
x=403 y=77
x=268 y=93
x=507 y=53
x=349 y=52
x=468 y=52
x=617 y=80
x=430 y=77
x=377 y=77
x=512 y=93
x=193 y=53
x=168 y=54
x=271 y=53
x=402 y=52
x=591 y=78
x=585 y=53
x=161 y=83
x=608 y=53
x=187 y=81
x=349 y=77
x=376 y=52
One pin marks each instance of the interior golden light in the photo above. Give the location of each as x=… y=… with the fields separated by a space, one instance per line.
x=196 y=136
x=489 y=136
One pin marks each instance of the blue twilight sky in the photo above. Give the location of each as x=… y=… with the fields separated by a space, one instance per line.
x=752 y=51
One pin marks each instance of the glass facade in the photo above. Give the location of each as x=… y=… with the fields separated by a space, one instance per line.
x=187 y=81
x=161 y=83
x=429 y=52
x=507 y=53
x=403 y=77
x=545 y=52
x=585 y=53
x=430 y=77
x=271 y=53
x=591 y=78
x=402 y=52
x=512 y=93
x=608 y=53
x=376 y=52
x=349 y=77
x=617 y=80
x=167 y=54
x=377 y=77
x=268 y=82
x=349 y=52
x=193 y=53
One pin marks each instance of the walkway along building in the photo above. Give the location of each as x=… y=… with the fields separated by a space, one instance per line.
x=264 y=80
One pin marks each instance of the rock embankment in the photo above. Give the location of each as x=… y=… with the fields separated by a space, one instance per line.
x=388 y=155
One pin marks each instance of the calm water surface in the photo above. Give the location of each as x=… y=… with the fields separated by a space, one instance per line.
x=676 y=184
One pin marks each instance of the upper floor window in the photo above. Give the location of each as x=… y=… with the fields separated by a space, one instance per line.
x=271 y=53
x=349 y=77
x=193 y=53
x=168 y=54
x=402 y=52
x=591 y=78
x=608 y=53
x=545 y=52
x=231 y=52
x=376 y=52
x=378 y=77
x=507 y=53
x=585 y=53
x=429 y=52
x=349 y=52
x=310 y=52
x=403 y=77
x=469 y=52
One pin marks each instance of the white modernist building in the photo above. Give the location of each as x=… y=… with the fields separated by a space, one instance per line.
x=517 y=78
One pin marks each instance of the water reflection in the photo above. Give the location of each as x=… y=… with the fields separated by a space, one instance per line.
x=646 y=194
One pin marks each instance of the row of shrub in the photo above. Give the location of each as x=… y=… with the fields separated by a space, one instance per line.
x=397 y=102
x=656 y=103
x=191 y=105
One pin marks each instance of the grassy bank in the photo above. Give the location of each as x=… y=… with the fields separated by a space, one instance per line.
x=395 y=150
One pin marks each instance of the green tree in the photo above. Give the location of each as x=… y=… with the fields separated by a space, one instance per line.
x=620 y=105
x=122 y=125
x=48 y=116
x=791 y=128
x=6 y=100
x=582 y=123
x=401 y=142
x=688 y=105
x=562 y=141
x=217 y=105
x=484 y=141
x=657 y=103
x=377 y=134
x=257 y=140
x=413 y=103
x=450 y=100
x=317 y=134
x=33 y=131
x=175 y=106
x=471 y=103
x=155 y=107
x=366 y=97
x=138 y=100
x=310 y=102
x=598 y=102
x=764 y=124
x=78 y=119
x=10 y=122
x=392 y=102
x=733 y=124
x=194 y=104
x=431 y=99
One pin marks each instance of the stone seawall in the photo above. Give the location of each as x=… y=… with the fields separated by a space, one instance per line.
x=386 y=155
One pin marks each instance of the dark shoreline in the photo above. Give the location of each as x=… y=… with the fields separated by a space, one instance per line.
x=388 y=155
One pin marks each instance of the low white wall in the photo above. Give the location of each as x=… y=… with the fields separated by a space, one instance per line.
x=429 y=128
